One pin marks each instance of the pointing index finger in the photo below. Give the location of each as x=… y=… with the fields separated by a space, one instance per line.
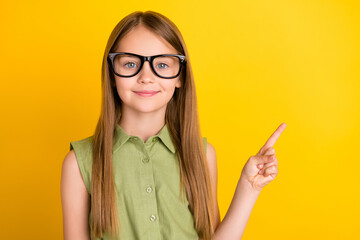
x=273 y=138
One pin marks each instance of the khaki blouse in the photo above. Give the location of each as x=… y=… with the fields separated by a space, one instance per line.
x=147 y=181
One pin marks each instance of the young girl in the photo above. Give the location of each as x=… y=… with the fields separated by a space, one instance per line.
x=146 y=172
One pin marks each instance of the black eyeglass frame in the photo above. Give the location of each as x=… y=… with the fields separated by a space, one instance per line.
x=112 y=56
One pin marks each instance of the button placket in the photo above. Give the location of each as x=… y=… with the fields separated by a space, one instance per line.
x=145 y=159
x=148 y=190
x=152 y=217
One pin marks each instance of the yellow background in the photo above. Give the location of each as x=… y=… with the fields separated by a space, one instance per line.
x=256 y=64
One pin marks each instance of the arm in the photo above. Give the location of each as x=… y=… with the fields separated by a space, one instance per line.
x=235 y=220
x=258 y=171
x=238 y=214
x=75 y=200
x=212 y=164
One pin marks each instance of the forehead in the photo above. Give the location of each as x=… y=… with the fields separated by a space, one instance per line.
x=141 y=40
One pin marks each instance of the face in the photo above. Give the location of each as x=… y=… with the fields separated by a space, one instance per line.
x=142 y=41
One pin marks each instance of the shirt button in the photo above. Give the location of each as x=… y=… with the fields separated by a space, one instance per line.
x=149 y=189
x=145 y=160
x=154 y=139
x=152 y=218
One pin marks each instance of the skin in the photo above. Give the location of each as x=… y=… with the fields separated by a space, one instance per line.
x=75 y=200
x=141 y=116
x=257 y=172
x=144 y=117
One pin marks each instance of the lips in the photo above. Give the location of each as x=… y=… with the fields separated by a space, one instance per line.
x=146 y=93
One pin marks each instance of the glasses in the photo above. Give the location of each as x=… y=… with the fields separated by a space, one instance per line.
x=129 y=64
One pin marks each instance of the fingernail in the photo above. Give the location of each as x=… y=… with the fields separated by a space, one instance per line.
x=260 y=172
x=261 y=165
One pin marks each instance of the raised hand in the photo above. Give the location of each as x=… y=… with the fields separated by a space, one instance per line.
x=262 y=168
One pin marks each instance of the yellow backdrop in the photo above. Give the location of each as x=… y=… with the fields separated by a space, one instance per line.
x=256 y=64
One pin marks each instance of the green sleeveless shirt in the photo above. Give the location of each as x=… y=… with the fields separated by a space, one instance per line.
x=147 y=181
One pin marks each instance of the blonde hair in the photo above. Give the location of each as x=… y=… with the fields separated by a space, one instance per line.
x=181 y=118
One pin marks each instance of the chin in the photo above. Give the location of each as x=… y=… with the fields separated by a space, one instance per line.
x=148 y=109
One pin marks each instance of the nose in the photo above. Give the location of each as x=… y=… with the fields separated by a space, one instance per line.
x=146 y=74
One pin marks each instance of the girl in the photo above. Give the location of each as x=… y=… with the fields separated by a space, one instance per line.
x=127 y=180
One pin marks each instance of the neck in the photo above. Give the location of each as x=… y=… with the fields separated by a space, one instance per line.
x=143 y=125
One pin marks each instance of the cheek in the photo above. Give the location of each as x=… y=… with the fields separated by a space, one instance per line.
x=171 y=85
x=169 y=88
x=122 y=85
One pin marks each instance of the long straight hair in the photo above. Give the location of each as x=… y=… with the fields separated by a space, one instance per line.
x=181 y=118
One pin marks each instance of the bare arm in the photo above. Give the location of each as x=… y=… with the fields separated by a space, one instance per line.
x=258 y=171
x=75 y=200
x=238 y=214
x=235 y=220
x=212 y=164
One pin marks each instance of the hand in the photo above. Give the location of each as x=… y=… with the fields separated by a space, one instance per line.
x=265 y=160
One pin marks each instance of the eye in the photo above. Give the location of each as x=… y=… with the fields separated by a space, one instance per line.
x=162 y=65
x=130 y=64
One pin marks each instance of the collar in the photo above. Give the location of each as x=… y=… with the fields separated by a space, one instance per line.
x=120 y=137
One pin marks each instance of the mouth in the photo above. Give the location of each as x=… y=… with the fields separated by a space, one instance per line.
x=146 y=93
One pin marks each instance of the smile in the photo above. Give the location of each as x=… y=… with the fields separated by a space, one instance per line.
x=146 y=94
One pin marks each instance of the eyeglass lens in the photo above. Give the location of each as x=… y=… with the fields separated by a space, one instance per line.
x=165 y=66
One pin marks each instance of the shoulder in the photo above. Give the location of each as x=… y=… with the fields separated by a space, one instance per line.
x=84 y=144
x=211 y=160
x=83 y=151
x=210 y=154
x=70 y=160
x=70 y=169
x=80 y=158
x=212 y=166
x=71 y=179
x=210 y=150
x=75 y=200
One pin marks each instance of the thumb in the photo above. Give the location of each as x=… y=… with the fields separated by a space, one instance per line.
x=262 y=159
x=269 y=151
